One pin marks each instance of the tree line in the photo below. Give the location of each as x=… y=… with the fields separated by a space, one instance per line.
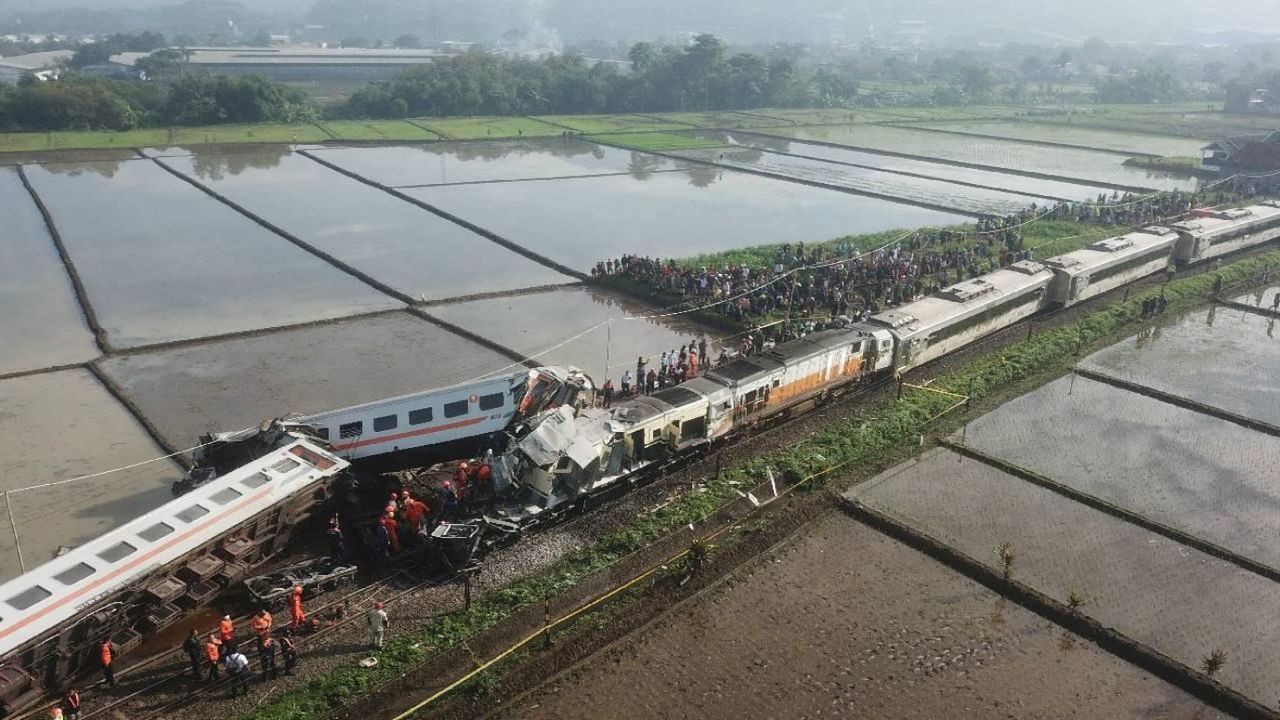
x=78 y=102
x=701 y=76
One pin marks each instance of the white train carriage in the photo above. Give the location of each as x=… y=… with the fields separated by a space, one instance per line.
x=105 y=577
x=1226 y=231
x=956 y=316
x=1108 y=264
x=431 y=417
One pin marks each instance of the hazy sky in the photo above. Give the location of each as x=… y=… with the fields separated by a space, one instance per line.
x=1005 y=20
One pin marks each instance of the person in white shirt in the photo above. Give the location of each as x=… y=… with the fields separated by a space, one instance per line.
x=238 y=666
x=378 y=623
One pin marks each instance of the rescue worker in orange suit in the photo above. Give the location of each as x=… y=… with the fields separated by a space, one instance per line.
x=55 y=714
x=108 y=657
x=295 y=608
x=226 y=633
x=415 y=511
x=261 y=623
x=393 y=531
x=213 y=653
x=460 y=479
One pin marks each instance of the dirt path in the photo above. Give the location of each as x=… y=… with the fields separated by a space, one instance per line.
x=844 y=622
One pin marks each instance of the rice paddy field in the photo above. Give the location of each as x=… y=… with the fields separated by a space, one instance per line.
x=582 y=221
x=239 y=273
x=1072 y=163
x=451 y=163
x=1152 y=517
x=926 y=191
x=1057 y=189
x=1127 y=143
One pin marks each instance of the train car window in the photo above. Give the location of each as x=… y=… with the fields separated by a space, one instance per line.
x=418 y=417
x=455 y=409
x=386 y=422
x=490 y=402
x=28 y=597
x=192 y=513
x=351 y=429
x=255 y=480
x=74 y=574
x=225 y=495
x=117 y=552
x=155 y=532
x=285 y=465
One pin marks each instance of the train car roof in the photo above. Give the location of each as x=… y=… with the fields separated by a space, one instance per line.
x=744 y=368
x=1228 y=220
x=508 y=378
x=44 y=598
x=1113 y=251
x=812 y=343
x=965 y=299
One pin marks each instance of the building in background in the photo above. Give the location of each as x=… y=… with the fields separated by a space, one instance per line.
x=299 y=64
x=43 y=65
x=1244 y=153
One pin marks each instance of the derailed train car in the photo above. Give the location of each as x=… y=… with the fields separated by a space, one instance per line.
x=145 y=575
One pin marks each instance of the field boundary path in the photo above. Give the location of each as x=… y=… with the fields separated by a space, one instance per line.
x=958 y=163
x=488 y=234
x=1153 y=661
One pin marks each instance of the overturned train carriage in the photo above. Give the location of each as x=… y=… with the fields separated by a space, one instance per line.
x=145 y=575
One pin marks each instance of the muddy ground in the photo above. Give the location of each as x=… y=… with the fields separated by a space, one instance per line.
x=844 y=622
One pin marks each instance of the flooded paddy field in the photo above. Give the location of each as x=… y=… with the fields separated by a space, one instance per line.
x=1084 y=165
x=469 y=162
x=1261 y=298
x=234 y=384
x=521 y=322
x=1192 y=471
x=1221 y=357
x=410 y=249
x=1161 y=593
x=579 y=222
x=844 y=622
x=940 y=193
x=1112 y=140
x=44 y=325
x=162 y=261
x=58 y=426
x=987 y=178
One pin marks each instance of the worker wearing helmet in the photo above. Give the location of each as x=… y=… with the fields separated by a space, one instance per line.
x=393 y=531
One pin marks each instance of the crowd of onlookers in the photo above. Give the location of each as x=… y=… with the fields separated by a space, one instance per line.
x=839 y=279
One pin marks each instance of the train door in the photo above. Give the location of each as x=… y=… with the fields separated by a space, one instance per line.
x=637 y=446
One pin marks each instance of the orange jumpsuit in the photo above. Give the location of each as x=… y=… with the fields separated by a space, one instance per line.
x=295 y=610
x=226 y=630
x=415 y=511
x=389 y=522
x=261 y=624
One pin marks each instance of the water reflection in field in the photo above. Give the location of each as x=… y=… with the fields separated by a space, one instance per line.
x=162 y=261
x=671 y=214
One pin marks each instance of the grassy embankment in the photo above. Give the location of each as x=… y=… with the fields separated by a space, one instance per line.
x=1137 y=118
x=876 y=435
